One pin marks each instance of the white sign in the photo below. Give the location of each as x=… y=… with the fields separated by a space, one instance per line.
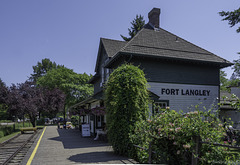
x=85 y=130
x=184 y=96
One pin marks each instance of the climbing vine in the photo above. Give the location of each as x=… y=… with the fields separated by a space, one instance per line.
x=126 y=99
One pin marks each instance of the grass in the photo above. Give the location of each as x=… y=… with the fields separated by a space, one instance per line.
x=5 y=121
x=17 y=126
x=4 y=138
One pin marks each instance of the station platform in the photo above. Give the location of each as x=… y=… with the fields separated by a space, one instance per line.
x=66 y=146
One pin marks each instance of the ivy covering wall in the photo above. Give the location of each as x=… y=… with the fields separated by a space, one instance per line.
x=126 y=99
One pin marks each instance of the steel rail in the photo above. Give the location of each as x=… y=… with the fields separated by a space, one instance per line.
x=19 y=149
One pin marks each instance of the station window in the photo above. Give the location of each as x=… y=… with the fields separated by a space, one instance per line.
x=161 y=104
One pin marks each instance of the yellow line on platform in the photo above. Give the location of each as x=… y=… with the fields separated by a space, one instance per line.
x=35 y=149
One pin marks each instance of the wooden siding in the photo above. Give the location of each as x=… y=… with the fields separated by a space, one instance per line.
x=103 y=58
x=97 y=87
x=181 y=97
x=176 y=72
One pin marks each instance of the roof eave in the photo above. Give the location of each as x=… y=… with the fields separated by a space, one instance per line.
x=119 y=54
x=93 y=79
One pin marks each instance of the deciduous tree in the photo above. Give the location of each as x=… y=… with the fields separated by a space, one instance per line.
x=28 y=99
x=42 y=68
x=72 y=84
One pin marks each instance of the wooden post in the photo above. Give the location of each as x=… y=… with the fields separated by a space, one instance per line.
x=150 y=153
x=196 y=140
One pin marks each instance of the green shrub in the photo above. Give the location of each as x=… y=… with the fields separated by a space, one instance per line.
x=126 y=99
x=1 y=134
x=41 y=121
x=171 y=135
x=74 y=120
x=7 y=130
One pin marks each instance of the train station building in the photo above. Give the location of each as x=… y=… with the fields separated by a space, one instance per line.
x=179 y=73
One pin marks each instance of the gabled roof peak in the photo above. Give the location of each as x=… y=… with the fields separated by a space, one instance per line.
x=157 y=42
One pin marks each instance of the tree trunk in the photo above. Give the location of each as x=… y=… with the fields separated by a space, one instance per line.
x=33 y=119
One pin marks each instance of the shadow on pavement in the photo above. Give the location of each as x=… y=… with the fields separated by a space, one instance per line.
x=98 y=157
x=71 y=139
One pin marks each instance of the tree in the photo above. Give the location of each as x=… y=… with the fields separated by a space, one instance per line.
x=74 y=85
x=3 y=97
x=137 y=25
x=42 y=68
x=54 y=102
x=28 y=99
x=126 y=99
x=3 y=92
x=223 y=81
x=233 y=17
x=236 y=68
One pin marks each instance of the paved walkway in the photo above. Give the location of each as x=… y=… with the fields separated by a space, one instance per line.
x=66 y=146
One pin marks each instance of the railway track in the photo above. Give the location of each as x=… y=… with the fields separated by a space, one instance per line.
x=13 y=151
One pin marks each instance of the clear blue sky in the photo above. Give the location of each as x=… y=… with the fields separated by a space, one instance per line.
x=68 y=31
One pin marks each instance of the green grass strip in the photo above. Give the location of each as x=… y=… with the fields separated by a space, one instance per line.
x=5 y=138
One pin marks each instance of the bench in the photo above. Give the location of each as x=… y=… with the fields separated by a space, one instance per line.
x=28 y=129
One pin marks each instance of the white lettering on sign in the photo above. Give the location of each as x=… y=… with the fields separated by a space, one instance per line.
x=188 y=92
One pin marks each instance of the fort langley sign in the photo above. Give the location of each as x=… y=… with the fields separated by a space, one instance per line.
x=189 y=92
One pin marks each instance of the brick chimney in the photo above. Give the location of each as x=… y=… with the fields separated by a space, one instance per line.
x=153 y=17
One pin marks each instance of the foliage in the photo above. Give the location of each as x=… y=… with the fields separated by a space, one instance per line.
x=41 y=121
x=233 y=17
x=236 y=69
x=3 y=97
x=74 y=120
x=3 y=92
x=126 y=99
x=42 y=68
x=6 y=130
x=72 y=84
x=53 y=101
x=5 y=138
x=171 y=135
x=99 y=111
x=223 y=81
x=137 y=25
x=234 y=101
x=3 y=112
x=80 y=112
x=28 y=99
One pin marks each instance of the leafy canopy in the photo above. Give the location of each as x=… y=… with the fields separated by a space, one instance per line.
x=137 y=25
x=42 y=68
x=28 y=99
x=126 y=99
x=3 y=96
x=233 y=17
x=72 y=84
x=234 y=79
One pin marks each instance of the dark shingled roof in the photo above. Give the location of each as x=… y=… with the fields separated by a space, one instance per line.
x=112 y=46
x=162 y=44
